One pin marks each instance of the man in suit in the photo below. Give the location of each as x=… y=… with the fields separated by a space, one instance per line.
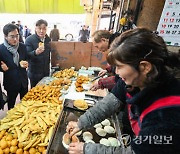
x=13 y=56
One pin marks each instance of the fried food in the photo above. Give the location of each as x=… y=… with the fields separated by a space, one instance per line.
x=79 y=89
x=81 y=104
x=66 y=73
x=41 y=44
x=23 y=63
x=66 y=140
x=75 y=139
x=33 y=123
x=44 y=93
x=81 y=80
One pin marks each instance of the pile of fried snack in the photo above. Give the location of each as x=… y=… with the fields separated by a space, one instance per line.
x=81 y=80
x=28 y=127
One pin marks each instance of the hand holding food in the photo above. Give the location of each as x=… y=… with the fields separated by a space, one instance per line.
x=23 y=64
x=67 y=139
x=4 y=66
x=41 y=45
x=40 y=48
x=72 y=128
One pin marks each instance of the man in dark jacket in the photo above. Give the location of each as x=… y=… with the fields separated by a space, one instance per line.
x=102 y=40
x=38 y=49
x=13 y=65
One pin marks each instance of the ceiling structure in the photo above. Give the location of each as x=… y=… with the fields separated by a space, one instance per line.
x=41 y=6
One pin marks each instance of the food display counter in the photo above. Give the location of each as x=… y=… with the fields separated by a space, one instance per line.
x=38 y=122
x=70 y=114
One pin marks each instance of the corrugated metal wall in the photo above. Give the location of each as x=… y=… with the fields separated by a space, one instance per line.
x=41 y=6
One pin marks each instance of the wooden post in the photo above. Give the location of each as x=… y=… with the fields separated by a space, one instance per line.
x=95 y=15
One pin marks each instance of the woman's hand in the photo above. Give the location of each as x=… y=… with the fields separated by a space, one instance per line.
x=72 y=128
x=76 y=148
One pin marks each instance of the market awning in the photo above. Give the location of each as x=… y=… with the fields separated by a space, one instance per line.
x=41 y=6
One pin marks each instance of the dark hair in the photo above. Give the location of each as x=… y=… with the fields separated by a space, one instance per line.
x=139 y=44
x=9 y=28
x=40 y=22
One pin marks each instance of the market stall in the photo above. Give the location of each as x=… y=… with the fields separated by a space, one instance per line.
x=38 y=122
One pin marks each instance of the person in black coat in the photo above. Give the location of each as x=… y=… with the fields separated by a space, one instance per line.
x=13 y=56
x=84 y=34
x=38 y=50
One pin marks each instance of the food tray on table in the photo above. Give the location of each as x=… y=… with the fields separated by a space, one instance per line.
x=97 y=98
x=46 y=80
x=68 y=103
x=69 y=114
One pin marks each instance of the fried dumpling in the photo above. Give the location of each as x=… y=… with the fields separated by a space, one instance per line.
x=66 y=140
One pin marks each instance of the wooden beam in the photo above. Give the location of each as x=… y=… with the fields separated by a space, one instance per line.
x=95 y=15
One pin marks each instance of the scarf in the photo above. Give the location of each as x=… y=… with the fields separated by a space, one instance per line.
x=13 y=50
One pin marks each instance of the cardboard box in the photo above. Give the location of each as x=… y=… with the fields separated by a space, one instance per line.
x=98 y=58
x=82 y=54
x=77 y=54
x=62 y=54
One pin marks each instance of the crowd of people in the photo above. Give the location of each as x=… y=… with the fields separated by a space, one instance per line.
x=21 y=46
x=143 y=84
x=21 y=60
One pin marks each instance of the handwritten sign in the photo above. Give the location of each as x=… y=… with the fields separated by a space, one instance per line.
x=169 y=24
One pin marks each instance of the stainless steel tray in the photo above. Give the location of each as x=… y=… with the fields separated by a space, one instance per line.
x=69 y=114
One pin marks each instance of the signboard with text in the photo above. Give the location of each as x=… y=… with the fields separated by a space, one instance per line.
x=169 y=24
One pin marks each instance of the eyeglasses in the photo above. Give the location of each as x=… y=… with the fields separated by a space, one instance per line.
x=14 y=36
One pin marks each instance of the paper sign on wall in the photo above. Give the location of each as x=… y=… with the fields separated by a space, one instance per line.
x=169 y=24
